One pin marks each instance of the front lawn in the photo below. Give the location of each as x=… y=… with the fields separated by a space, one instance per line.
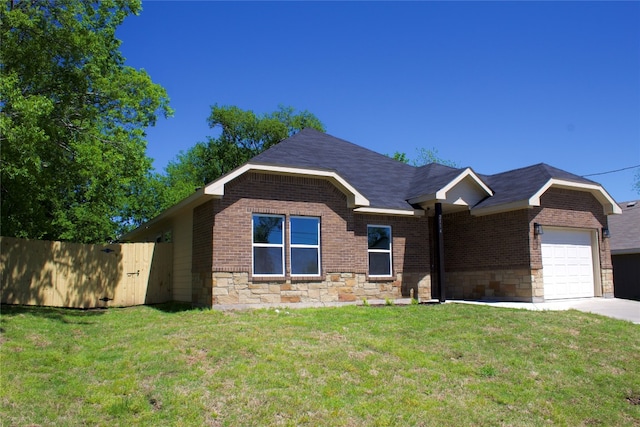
x=440 y=365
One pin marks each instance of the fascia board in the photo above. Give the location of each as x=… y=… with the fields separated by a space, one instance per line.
x=442 y=193
x=422 y=199
x=608 y=204
x=505 y=207
x=394 y=212
x=190 y=201
x=216 y=188
x=627 y=251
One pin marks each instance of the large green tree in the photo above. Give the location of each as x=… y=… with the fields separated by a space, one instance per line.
x=72 y=120
x=241 y=134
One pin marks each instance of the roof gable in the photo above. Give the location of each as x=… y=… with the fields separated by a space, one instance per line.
x=522 y=188
x=378 y=184
x=380 y=179
x=436 y=183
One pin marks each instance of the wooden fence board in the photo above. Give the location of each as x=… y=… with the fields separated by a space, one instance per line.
x=63 y=274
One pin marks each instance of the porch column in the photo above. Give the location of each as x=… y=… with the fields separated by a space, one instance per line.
x=439 y=255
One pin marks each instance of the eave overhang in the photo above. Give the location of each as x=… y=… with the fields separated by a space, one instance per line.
x=354 y=197
x=393 y=212
x=195 y=199
x=609 y=206
x=465 y=190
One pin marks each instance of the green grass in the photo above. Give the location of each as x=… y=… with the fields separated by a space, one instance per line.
x=440 y=365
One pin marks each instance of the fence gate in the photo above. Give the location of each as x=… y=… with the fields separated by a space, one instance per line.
x=62 y=274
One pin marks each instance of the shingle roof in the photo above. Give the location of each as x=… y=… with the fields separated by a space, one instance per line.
x=388 y=183
x=521 y=184
x=430 y=178
x=381 y=179
x=625 y=228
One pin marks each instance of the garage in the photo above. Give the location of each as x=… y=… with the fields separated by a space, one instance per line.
x=567 y=263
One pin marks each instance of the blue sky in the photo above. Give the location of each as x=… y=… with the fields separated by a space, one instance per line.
x=491 y=85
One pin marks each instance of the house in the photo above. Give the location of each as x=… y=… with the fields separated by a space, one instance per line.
x=316 y=219
x=625 y=251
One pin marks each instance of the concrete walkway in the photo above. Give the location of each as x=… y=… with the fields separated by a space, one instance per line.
x=616 y=308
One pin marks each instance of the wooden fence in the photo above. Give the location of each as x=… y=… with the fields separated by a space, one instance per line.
x=62 y=274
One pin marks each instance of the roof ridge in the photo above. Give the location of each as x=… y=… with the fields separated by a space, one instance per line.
x=517 y=169
x=352 y=144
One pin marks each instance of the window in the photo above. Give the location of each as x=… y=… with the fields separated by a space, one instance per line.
x=268 y=245
x=305 y=246
x=379 y=240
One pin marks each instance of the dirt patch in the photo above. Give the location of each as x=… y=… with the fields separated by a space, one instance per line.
x=634 y=400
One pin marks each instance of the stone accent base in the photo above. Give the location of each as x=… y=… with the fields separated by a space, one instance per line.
x=236 y=288
x=606 y=276
x=508 y=285
x=201 y=289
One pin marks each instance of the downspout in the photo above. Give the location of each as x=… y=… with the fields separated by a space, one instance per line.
x=439 y=244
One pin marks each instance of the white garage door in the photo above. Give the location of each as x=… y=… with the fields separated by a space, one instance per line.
x=567 y=264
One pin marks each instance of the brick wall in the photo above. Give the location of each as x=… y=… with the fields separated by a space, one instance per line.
x=575 y=209
x=569 y=208
x=498 y=256
x=491 y=242
x=343 y=236
x=203 y=220
x=201 y=254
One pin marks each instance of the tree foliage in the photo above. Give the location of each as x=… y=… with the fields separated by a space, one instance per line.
x=241 y=135
x=424 y=157
x=72 y=120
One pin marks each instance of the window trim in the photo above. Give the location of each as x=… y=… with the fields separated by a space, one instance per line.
x=389 y=251
x=298 y=245
x=267 y=245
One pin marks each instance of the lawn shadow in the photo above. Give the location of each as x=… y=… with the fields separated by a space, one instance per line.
x=63 y=315
x=173 y=307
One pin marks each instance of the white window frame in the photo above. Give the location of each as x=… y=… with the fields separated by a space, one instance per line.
x=292 y=246
x=387 y=251
x=267 y=245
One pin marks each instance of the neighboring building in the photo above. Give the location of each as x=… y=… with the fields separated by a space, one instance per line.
x=625 y=251
x=316 y=219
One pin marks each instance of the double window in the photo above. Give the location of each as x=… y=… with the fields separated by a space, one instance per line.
x=269 y=247
x=379 y=241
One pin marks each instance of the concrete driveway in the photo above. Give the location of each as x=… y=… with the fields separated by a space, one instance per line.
x=617 y=308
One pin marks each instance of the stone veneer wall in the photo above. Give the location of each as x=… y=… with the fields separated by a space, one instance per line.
x=237 y=288
x=509 y=285
x=606 y=276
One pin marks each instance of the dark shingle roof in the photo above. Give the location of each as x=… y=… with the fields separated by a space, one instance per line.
x=625 y=228
x=381 y=179
x=387 y=183
x=430 y=178
x=521 y=184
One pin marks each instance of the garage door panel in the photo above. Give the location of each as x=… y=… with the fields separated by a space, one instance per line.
x=567 y=264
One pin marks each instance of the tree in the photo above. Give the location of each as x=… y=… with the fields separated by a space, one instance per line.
x=425 y=156
x=401 y=157
x=72 y=120
x=242 y=135
x=636 y=183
